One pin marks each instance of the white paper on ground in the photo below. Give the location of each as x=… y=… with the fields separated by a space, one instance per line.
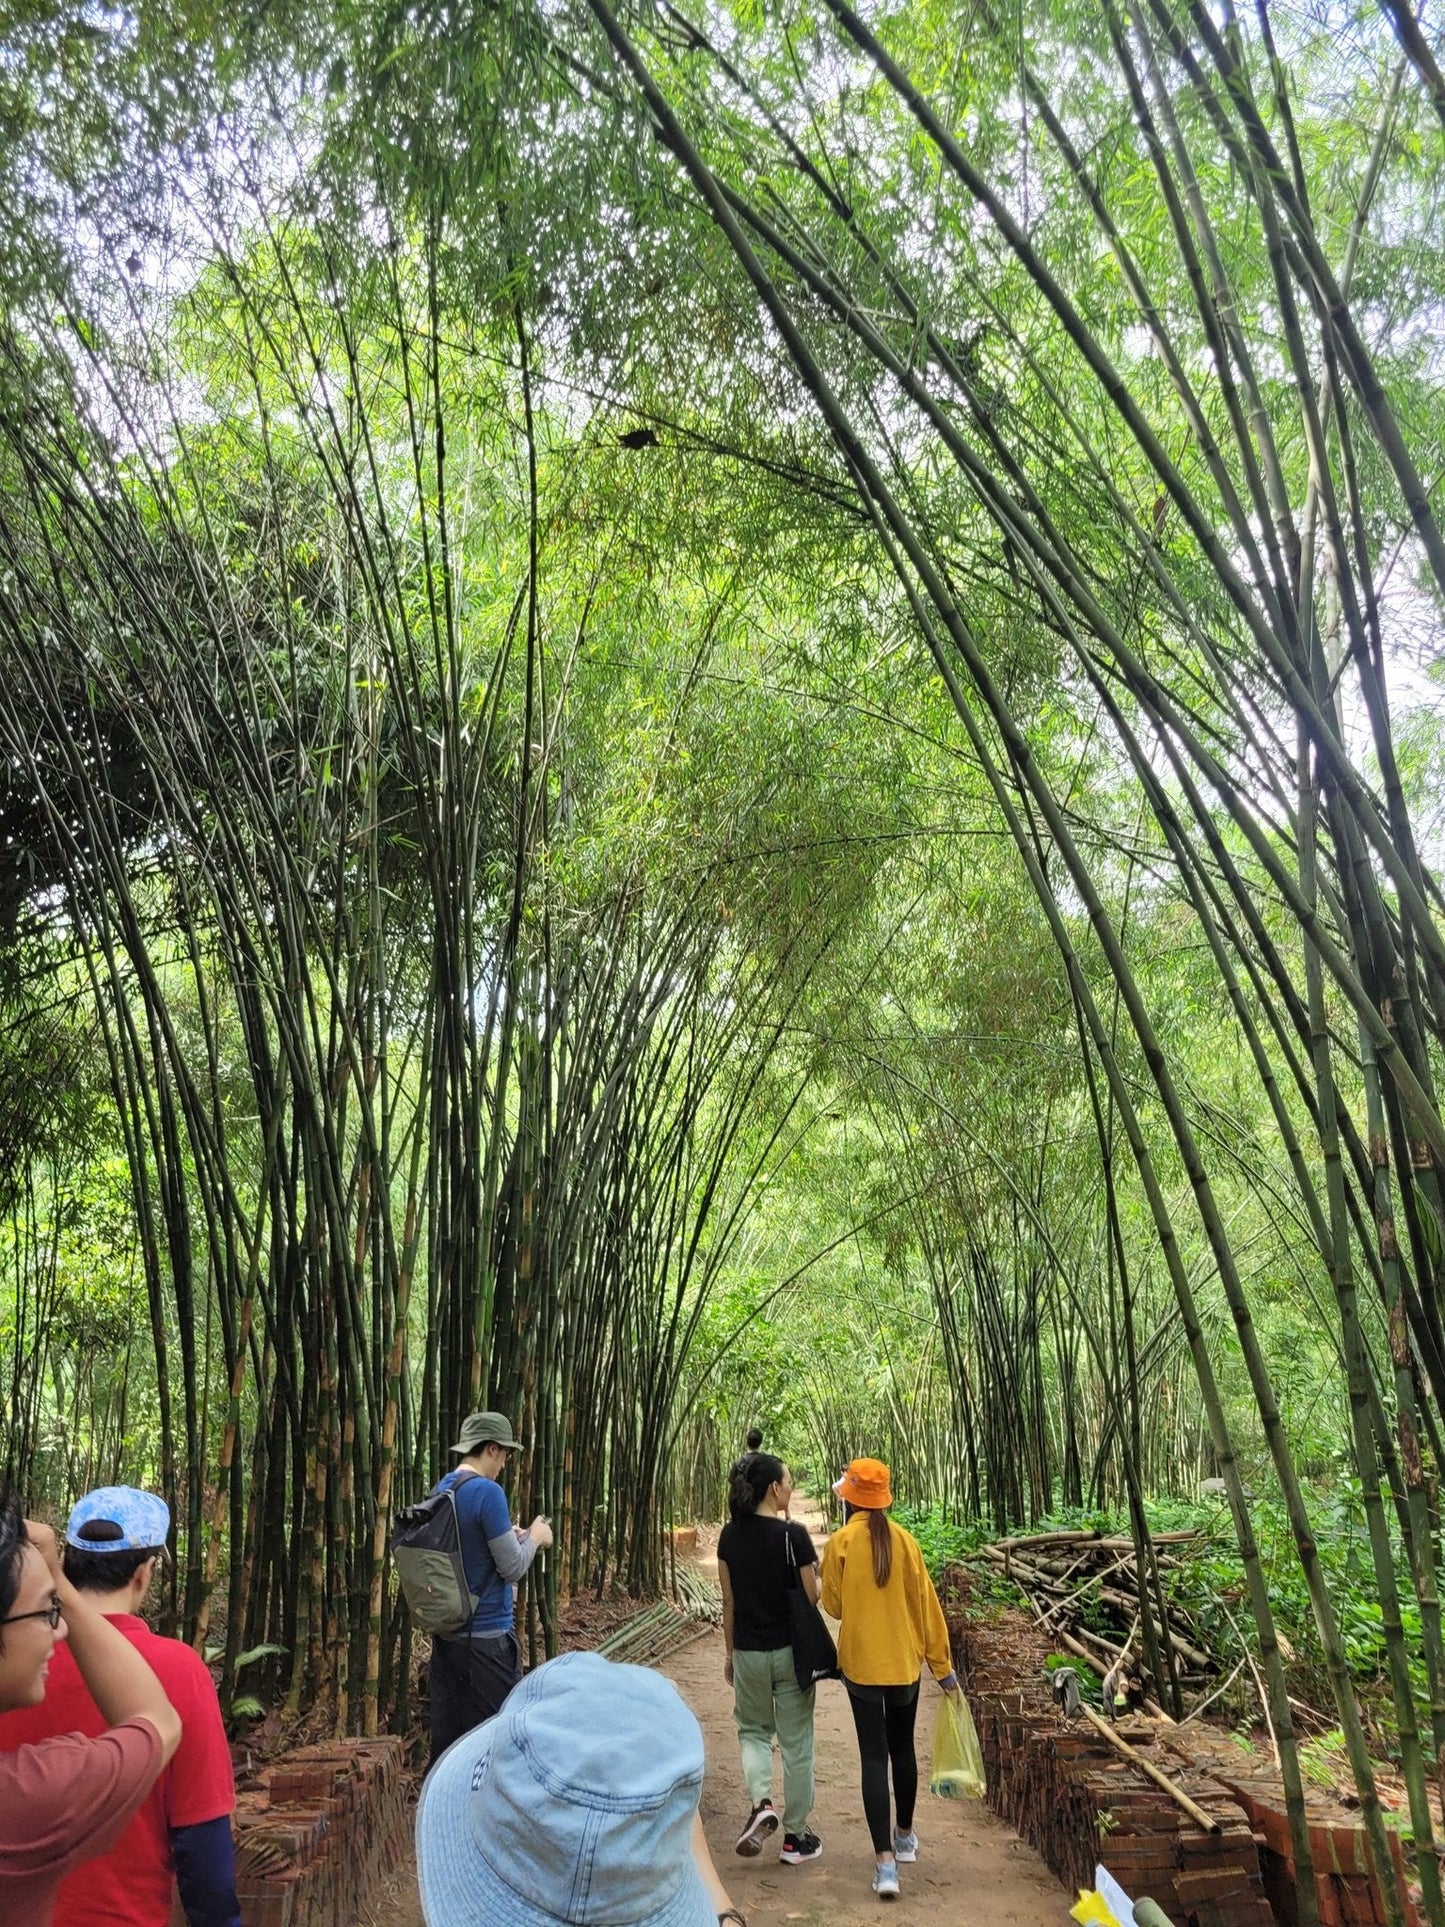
x=1114 y=1897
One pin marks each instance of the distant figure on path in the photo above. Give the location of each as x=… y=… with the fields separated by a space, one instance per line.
x=64 y=1800
x=181 y=1837
x=876 y=1584
x=753 y=1568
x=473 y=1671
x=754 y=1444
x=577 y=1804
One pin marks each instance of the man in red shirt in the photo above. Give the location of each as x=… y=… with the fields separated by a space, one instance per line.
x=64 y=1800
x=181 y=1836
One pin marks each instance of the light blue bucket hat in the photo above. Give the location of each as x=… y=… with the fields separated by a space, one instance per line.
x=574 y=1804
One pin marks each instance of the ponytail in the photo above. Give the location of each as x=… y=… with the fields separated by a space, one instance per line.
x=750 y=1479
x=880 y=1535
x=880 y=1539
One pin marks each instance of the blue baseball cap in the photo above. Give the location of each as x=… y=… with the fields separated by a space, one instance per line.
x=118 y=1518
x=574 y=1804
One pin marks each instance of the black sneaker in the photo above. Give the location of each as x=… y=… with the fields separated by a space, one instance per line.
x=761 y=1822
x=798 y=1847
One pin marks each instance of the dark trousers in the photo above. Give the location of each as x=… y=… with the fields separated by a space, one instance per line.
x=469 y=1680
x=884 y=1717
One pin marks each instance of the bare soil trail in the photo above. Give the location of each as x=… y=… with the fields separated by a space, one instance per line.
x=972 y=1870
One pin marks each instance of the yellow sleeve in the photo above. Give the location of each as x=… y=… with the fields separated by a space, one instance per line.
x=830 y=1578
x=936 y=1648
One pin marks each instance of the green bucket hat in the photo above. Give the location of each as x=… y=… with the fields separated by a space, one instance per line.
x=486 y=1428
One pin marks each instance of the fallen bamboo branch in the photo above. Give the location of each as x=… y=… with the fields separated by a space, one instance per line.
x=1182 y=1538
x=1097 y=1666
x=1071 y=1645
x=1259 y=1686
x=1074 y=1566
x=1185 y=1648
x=1210 y=1698
x=1105 y=1544
x=1176 y=1793
x=1111 y=1647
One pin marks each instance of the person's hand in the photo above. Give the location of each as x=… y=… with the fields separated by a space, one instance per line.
x=950 y=1684
x=540 y=1533
x=44 y=1541
x=728 y=1669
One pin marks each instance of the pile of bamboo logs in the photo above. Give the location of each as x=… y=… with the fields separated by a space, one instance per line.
x=1062 y=1573
x=698 y=1596
x=656 y=1632
x=1078 y=1797
x=319 y=1830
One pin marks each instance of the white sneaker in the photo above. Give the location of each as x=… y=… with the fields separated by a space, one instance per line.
x=885 y=1880
x=905 y=1848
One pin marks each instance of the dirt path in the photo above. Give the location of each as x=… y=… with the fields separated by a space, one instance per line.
x=971 y=1868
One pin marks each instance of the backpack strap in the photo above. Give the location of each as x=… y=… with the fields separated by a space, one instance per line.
x=464 y=1472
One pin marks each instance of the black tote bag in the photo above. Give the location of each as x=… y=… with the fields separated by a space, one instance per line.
x=815 y=1656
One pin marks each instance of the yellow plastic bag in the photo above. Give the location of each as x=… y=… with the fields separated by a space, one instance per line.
x=957 y=1758
x=1092 y=1910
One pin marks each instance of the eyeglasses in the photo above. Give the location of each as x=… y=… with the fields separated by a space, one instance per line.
x=52 y=1612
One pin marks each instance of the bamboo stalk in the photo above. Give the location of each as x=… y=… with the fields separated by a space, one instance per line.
x=1147 y=1767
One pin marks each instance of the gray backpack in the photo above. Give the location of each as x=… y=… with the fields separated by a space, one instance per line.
x=426 y=1549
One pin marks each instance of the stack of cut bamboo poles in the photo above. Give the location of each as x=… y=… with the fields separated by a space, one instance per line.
x=698 y=1596
x=658 y=1631
x=1062 y=1573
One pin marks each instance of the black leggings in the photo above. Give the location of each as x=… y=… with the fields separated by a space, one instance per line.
x=885 y=1737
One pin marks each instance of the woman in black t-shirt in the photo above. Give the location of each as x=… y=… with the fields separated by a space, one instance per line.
x=767 y=1700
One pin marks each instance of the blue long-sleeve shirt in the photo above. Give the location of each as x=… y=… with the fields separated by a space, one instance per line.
x=492 y=1554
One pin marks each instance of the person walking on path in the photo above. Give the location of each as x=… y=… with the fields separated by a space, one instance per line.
x=874 y=1582
x=181 y=1837
x=473 y=1671
x=758 y=1551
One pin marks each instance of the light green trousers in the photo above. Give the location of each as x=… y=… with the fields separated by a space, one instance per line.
x=767 y=1700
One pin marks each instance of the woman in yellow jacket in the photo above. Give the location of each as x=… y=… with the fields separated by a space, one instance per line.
x=875 y=1582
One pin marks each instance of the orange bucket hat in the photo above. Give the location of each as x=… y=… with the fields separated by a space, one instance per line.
x=865 y=1483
